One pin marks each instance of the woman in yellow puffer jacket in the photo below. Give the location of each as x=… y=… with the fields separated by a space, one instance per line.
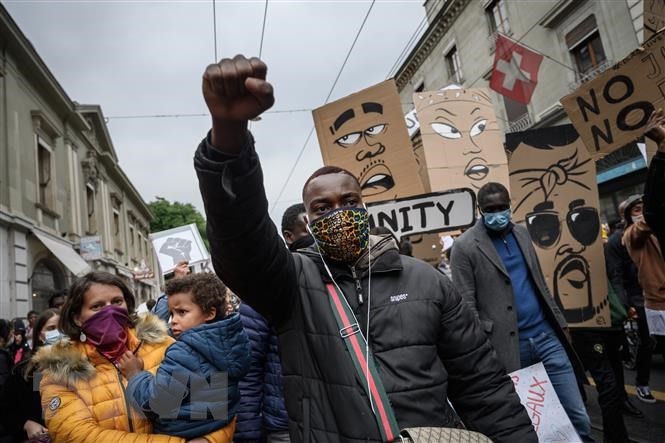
x=82 y=390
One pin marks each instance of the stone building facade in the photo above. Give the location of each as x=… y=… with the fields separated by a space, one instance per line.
x=61 y=188
x=579 y=39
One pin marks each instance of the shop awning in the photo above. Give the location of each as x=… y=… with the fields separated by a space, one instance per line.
x=64 y=252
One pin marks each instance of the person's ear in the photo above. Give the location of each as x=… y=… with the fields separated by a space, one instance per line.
x=288 y=236
x=211 y=314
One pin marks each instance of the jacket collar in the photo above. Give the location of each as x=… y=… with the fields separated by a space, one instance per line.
x=486 y=247
x=69 y=361
x=382 y=251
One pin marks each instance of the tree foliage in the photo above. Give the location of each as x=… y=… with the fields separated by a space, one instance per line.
x=168 y=215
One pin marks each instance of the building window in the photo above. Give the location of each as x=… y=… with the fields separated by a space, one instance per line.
x=90 y=204
x=141 y=252
x=117 y=241
x=589 y=54
x=517 y=114
x=586 y=47
x=498 y=17
x=44 y=175
x=454 y=65
x=132 y=243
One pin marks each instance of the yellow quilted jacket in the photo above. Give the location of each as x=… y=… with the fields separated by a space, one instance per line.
x=83 y=394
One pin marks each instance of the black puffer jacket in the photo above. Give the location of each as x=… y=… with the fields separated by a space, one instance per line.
x=426 y=342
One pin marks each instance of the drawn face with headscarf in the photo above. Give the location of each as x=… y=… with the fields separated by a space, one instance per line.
x=463 y=144
x=555 y=195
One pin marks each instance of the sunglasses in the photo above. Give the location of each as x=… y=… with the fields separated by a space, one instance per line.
x=544 y=227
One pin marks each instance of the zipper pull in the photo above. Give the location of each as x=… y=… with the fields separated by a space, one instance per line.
x=359 y=288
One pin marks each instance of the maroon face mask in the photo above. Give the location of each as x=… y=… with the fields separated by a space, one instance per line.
x=107 y=331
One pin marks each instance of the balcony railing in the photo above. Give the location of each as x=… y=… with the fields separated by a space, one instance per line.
x=590 y=74
x=521 y=124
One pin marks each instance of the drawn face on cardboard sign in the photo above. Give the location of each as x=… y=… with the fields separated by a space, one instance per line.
x=556 y=196
x=461 y=136
x=366 y=134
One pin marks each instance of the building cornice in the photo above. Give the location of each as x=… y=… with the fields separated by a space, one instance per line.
x=439 y=26
x=27 y=58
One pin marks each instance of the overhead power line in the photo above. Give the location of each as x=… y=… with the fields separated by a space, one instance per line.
x=263 y=28
x=214 y=29
x=332 y=88
x=127 y=117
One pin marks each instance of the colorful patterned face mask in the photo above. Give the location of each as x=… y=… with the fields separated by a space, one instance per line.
x=343 y=234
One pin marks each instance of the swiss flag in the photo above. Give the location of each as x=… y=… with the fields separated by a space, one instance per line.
x=515 y=71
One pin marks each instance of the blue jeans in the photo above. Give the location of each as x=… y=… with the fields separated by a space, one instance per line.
x=547 y=348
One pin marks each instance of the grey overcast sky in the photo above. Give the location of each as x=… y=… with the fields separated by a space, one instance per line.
x=147 y=58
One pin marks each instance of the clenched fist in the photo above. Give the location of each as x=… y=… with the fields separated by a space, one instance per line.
x=236 y=90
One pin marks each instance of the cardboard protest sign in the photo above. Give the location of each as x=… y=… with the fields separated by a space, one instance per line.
x=654 y=17
x=183 y=243
x=656 y=321
x=427 y=247
x=555 y=194
x=539 y=398
x=366 y=134
x=462 y=142
x=411 y=120
x=427 y=213
x=91 y=248
x=611 y=110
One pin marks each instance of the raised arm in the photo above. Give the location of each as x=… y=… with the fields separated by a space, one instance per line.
x=247 y=252
x=654 y=195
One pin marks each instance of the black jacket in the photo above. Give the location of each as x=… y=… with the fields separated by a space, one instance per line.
x=654 y=199
x=622 y=272
x=23 y=401
x=425 y=341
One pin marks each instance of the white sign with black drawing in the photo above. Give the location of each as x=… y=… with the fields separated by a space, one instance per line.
x=183 y=243
x=425 y=213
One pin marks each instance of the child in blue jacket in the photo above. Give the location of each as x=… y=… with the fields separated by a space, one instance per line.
x=195 y=390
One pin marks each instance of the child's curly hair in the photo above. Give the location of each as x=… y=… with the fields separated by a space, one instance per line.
x=207 y=291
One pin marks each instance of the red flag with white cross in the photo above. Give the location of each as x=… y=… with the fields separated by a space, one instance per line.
x=515 y=71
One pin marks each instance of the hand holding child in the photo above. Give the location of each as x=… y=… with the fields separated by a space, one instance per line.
x=130 y=365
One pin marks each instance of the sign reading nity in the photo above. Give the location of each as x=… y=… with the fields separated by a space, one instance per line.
x=612 y=109
x=435 y=212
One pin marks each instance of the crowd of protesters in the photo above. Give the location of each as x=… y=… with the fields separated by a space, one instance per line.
x=329 y=331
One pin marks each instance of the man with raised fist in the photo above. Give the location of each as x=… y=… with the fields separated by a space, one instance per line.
x=361 y=357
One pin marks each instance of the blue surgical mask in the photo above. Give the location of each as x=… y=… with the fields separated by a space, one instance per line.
x=497 y=221
x=53 y=336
